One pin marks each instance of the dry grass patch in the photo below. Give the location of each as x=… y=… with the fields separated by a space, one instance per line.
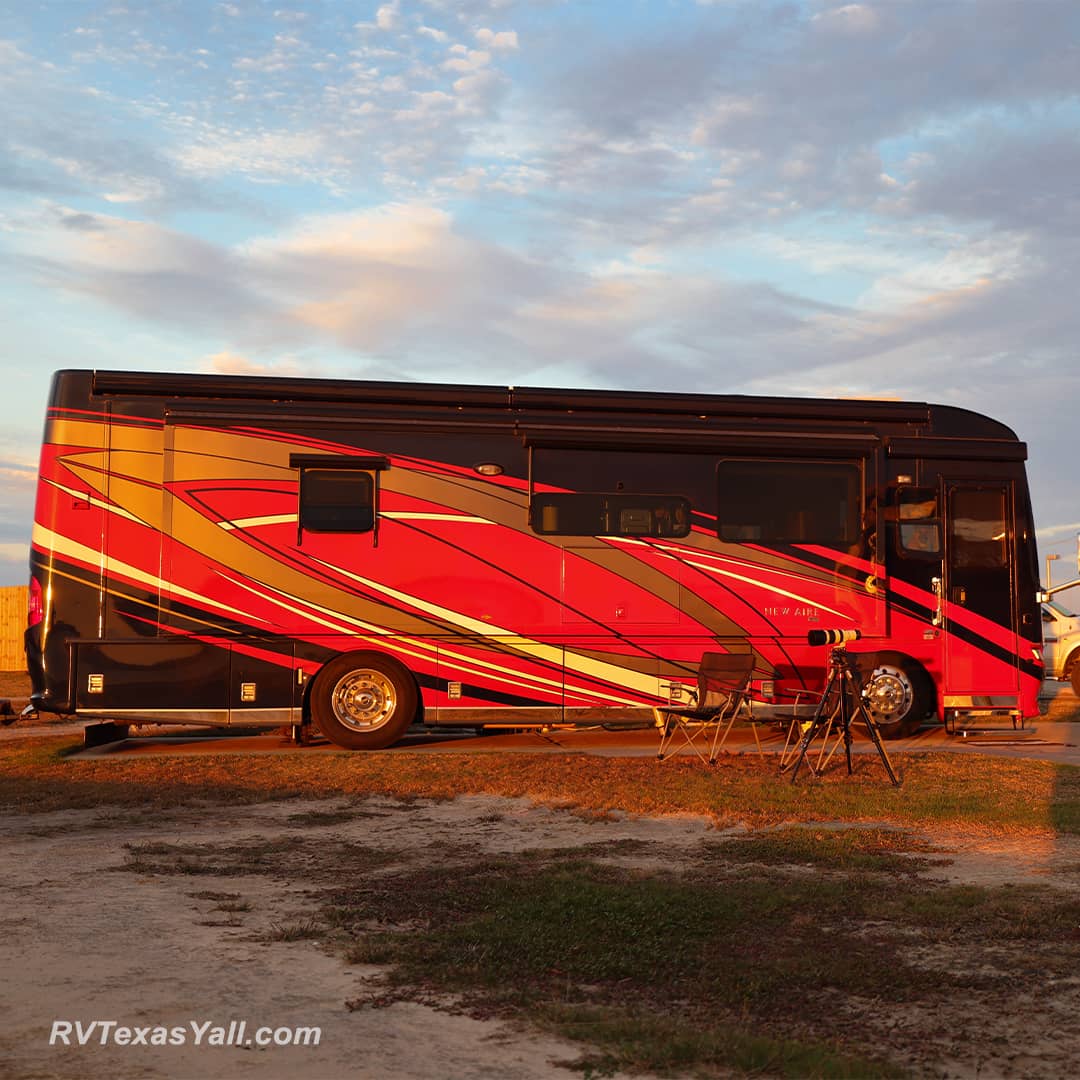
x=996 y=793
x=285 y=856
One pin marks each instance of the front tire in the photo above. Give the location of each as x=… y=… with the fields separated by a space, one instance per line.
x=897 y=692
x=364 y=700
x=1072 y=669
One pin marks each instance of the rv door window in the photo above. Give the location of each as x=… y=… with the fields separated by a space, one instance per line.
x=978 y=534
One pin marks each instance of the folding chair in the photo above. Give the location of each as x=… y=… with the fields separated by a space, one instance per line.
x=723 y=689
x=795 y=723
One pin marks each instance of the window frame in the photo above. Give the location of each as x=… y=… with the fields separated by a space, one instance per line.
x=370 y=466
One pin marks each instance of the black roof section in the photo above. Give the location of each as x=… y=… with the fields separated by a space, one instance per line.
x=939 y=420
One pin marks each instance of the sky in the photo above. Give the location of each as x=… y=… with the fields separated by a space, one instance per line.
x=813 y=198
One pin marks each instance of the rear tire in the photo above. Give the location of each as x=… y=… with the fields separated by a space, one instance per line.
x=1073 y=670
x=897 y=691
x=364 y=700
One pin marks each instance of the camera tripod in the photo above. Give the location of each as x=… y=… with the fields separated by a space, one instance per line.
x=841 y=703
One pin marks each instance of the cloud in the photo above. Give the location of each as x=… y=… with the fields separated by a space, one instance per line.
x=388 y=16
x=407 y=282
x=153 y=273
x=1073 y=528
x=280 y=155
x=808 y=101
x=1017 y=180
x=17 y=474
x=377 y=281
x=285 y=52
x=62 y=137
x=502 y=40
x=230 y=363
x=468 y=60
x=849 y=20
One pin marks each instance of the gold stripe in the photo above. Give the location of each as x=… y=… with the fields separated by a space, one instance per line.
x=51 y=541
x=86 y=497
x=608 y=672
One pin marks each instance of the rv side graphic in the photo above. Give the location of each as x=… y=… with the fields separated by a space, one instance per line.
x=362 y=555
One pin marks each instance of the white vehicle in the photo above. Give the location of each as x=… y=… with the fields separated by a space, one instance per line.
x=1061 y=643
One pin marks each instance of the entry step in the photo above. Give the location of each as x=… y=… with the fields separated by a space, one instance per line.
x=966 y=722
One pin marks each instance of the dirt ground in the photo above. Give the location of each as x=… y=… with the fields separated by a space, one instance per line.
x=84 y=939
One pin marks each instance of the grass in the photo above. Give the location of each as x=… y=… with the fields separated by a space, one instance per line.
x=718 y=971
x=40 y=775
x=303 y=930
x=1019 y=913
x=729 y=967
x=875 y=850
x=283 y=856
x=320 y=818
x=15 y=685
x=256 y=857
x=233 y=905
x=641 y=1041
x=738 y=940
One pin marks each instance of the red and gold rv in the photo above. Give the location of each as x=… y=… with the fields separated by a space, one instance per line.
x=363 y=555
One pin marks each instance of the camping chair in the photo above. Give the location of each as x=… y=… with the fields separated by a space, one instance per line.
x=723 y=689
x=793 y=720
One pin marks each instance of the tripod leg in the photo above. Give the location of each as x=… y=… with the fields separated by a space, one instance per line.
x=841 y=719
x=850 y=705
x=875 y=736
x=821 y=715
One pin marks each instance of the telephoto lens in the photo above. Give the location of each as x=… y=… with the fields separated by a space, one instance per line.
x=832 y=637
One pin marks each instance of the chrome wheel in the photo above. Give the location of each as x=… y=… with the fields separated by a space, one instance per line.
x=897 y=692
x=364 y=700
x=889 y=694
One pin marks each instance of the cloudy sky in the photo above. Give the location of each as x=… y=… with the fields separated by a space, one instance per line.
x=815 y=198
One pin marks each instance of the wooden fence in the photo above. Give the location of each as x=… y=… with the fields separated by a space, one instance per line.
x=12 y=625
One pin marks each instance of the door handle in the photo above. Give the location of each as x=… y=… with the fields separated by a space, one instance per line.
x=939 y=591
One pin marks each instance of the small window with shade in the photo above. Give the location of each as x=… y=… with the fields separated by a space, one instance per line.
x=338 y=494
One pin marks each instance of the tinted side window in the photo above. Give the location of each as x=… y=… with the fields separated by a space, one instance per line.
x=572 y=513
x=337 y=500
x=977 y=532
x=790 y=502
